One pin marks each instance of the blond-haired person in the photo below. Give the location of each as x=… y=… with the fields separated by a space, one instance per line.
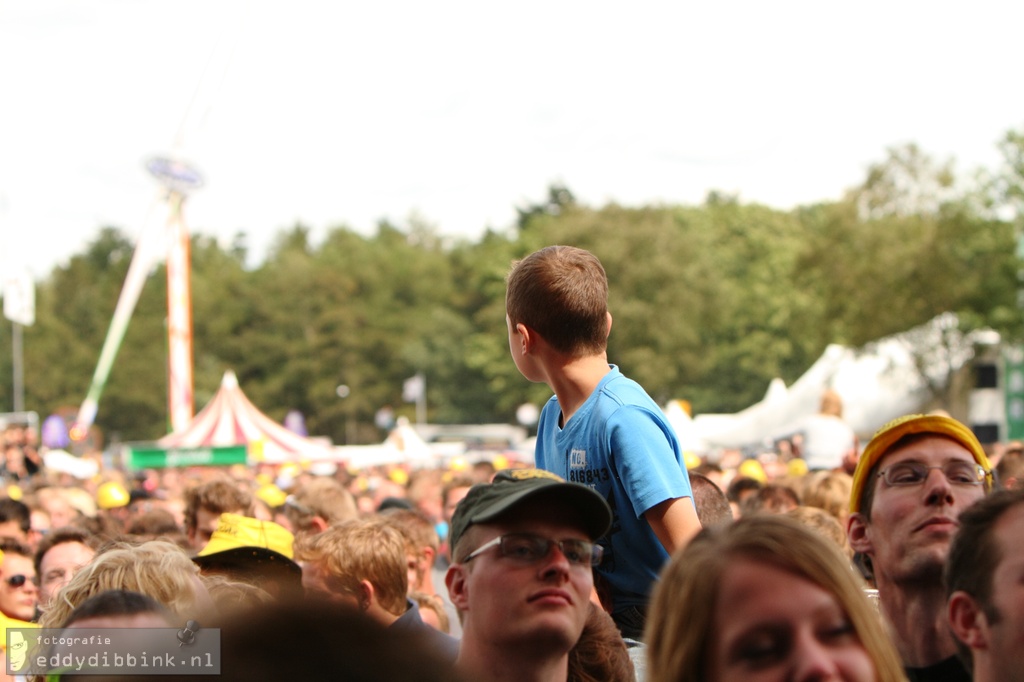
x=761 y=600
x=361 y=564
x=158 y=569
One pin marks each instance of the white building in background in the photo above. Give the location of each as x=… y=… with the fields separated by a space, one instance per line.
x=877 y=383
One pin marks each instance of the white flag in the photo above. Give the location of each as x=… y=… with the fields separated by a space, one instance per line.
x=20 y=298
x=412 y=389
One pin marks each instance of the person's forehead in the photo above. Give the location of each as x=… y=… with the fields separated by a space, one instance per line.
x=929 y=449
x=66 y=551
x=15 y=563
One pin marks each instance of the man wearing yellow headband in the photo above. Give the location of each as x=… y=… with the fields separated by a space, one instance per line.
x=913 y=480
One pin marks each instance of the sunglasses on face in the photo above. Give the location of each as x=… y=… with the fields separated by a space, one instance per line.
x=19 y=580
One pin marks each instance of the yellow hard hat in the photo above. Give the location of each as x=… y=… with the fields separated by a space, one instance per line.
x=111 y=495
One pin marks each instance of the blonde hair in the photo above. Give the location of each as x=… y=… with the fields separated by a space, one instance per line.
x=158 y=569
x=681 y=623
x=820 y=521
x=829 y=490
x=323 y=497
x=831 y=403
x=435 y=605
x=362 y=549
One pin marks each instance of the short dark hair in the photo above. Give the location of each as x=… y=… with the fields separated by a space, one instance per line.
x=218 y=497
x=12 y=546
x=561 y=292
x=61 y=536
x=16 y=510
x=771 y=499
x=739 y=486
x=711 y=503
x=975 y=554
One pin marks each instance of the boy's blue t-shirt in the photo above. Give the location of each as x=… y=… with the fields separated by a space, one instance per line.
x=620 y=444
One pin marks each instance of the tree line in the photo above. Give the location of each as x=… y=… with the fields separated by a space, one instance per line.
x=710 y=302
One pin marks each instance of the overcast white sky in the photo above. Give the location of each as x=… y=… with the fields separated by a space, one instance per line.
x=344 y=113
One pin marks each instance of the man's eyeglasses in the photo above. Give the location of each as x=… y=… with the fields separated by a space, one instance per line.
x=19 y=579
x=529 y=549
x=957 y=472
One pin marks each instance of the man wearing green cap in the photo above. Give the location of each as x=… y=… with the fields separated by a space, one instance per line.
x=912 y=481
x=523 y=553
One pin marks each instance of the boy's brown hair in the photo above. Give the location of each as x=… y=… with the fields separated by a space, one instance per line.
x=362 y=549
x=218 y=496
x=561 y=292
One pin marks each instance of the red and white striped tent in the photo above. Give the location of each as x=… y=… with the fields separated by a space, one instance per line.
x=231 y=419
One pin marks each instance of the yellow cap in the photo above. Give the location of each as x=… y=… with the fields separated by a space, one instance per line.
x=112 y=494
x=235 y=531
x=751 y=468
x=399 y=476
x=691 y=460
x=889 y=434
x=272 y=495
x=796 y=467
x=14 y=492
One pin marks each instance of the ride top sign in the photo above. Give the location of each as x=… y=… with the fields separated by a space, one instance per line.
x=142 y=457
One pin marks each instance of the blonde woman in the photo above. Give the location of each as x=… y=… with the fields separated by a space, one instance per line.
x=158 y=569
x=764 y=599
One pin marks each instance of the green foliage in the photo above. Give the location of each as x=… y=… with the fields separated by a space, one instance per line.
x=709 y=302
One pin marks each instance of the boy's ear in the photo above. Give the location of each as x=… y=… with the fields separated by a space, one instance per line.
x=526 y=337
x=366 y=594
x=967 y=620
x=608 y=330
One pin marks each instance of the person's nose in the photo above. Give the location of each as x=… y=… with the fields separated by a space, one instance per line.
x=555 y=565
x=813 y=660
x=938 y=489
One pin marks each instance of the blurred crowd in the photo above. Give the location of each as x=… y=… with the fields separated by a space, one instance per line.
x=238 y=544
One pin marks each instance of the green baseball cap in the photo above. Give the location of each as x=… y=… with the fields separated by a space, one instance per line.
x=511 y=488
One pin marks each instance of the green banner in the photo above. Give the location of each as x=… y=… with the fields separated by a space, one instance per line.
x=1014 y=383
x=169 y=458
